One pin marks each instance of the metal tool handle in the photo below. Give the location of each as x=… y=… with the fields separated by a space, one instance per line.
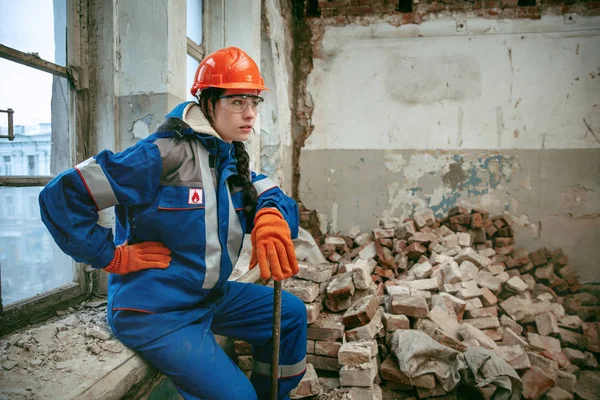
x=276 y=337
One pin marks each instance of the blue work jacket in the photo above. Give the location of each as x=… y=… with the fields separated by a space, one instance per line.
x=173 y=187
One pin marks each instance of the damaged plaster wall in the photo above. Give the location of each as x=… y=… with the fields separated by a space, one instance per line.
x=500 y=114
x=150 y=65
x=276 y=116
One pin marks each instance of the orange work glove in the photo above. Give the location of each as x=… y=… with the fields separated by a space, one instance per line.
x=135 y=257
x=272 y=247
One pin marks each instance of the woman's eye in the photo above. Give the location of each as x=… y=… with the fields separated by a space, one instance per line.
x=236 y=102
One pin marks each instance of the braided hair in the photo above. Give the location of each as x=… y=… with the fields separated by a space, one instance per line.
x=208 y=97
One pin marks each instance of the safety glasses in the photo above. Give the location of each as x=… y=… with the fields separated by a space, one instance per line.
x=238 y=103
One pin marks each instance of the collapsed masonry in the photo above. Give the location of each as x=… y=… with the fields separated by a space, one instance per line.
x=463 y=282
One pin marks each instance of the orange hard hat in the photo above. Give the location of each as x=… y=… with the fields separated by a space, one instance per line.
x=228 y=68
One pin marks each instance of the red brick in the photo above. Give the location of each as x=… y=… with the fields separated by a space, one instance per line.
x=536 y=382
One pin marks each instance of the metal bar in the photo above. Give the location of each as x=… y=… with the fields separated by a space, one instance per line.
x=34 y=61
x=11 y=128
x=276 y=336
x=24 y=181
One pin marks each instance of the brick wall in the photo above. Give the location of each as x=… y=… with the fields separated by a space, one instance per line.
x=532 y=9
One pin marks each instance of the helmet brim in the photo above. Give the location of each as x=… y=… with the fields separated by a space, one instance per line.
x=239 y=85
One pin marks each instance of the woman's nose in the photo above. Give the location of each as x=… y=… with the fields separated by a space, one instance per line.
x=249 y=113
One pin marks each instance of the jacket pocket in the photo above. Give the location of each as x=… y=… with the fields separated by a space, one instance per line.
x=180 y=214
x=181 y=198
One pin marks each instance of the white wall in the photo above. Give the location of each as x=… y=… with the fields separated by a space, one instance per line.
x=500 y=85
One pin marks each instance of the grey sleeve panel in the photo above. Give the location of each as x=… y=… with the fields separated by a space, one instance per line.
x=180 y=162
x=97 y=184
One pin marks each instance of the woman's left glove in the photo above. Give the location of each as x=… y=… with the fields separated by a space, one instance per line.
x=272 y=247
x=139 y=256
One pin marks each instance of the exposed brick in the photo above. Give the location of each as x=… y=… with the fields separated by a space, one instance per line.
x=483 y=312
x=546 y=324
x=566 y=381
x=575 y=356
x=588 y=385
x=392 y=322
x=366 y=332
x=356 y=353
x=538 y=257
x=536 y=382
x=541 y=343
x=305 y=290
x=241 y=347
x=409 y=306
x=308 y=386
x=405 y=230
x=317 y=273
x=360 y=375
x=483 y=323
x=322 y=362
x=415 y=250
x=326 y=327
x=360 y=312
x=557 y=393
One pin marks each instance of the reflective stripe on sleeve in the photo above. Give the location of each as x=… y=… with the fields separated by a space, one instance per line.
x=211 y=224
x=234 y=232
x=285 y=371
x=97 y=184
x=263 y=185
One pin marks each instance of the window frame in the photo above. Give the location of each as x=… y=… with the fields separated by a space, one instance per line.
x=44 y=305
x=198 y=50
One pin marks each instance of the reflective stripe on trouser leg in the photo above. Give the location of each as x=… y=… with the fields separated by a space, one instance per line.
x=292 y=356
x=285 y=371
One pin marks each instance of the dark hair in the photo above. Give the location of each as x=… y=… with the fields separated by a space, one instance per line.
x=210 y=97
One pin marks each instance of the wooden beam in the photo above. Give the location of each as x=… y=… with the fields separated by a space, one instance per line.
x=194 y=50
x=25 y=181
x=34 y=61
x=40 y=307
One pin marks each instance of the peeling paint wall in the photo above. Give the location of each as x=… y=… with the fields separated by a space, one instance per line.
x=150 y=65
x=276 y=117
x=502 y=115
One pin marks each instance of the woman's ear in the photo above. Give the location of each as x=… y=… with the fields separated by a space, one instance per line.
x=211 y=109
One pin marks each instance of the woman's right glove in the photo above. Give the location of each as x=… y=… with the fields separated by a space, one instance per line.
x=272 y=246
x=139 y=256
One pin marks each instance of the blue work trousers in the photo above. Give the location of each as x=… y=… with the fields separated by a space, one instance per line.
x=183 y=346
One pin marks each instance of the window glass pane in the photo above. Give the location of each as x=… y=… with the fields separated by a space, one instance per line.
x=35 y=26
x=192 y=65
x=30 y=261
x=194 y=20
x=41 y=121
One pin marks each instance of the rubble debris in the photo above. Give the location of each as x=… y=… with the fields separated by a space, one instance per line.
x=463 y=281
x=55 y=359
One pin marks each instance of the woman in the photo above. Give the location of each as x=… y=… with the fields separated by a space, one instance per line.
x=183 y=199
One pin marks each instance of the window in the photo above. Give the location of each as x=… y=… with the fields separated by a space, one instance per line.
x=31 y=165
x=6 y=166
x=9 y=206
x=36 y=39
x=195 y=48
x=32 y=207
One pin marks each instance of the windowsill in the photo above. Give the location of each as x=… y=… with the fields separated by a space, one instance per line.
x=72 y=357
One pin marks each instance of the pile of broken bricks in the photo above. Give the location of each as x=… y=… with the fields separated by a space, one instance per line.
x=461 y=280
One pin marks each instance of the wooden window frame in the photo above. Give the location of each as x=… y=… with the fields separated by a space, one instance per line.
x=43 y=306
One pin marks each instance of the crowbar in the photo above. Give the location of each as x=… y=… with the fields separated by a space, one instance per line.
x=276 y=337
